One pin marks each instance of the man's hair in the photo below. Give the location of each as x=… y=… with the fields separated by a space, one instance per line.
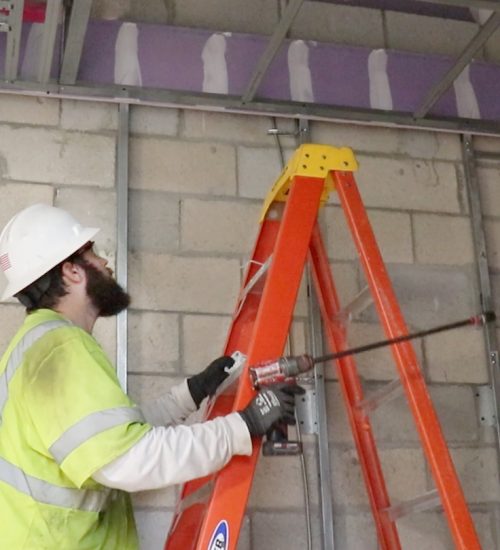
x=46 y=291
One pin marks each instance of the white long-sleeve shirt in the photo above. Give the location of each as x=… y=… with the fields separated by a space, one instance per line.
x=169 y=453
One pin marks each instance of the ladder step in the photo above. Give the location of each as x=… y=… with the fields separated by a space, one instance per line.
x=383 y=395
x=424 y=502
x=252 y=282
x=363 y=300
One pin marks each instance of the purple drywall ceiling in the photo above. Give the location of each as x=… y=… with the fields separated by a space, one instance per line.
x=194 y=60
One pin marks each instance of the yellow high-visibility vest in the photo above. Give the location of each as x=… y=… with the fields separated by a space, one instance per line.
x=63 y=416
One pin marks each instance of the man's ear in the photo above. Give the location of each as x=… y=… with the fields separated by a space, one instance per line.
x=72 y=273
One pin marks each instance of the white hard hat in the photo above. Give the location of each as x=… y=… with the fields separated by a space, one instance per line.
x=35 y=240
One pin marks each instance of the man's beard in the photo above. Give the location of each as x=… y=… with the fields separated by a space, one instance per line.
x=106 y=295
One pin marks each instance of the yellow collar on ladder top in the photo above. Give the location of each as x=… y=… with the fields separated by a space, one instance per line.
x=316 y=161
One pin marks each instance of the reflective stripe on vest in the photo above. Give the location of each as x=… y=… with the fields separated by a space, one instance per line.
x=39 y=490
x=16 y=356
x=90 y=426
x=46 y=493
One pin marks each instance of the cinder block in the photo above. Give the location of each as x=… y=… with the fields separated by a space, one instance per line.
x=339 y=24
x=258 y=169
x=443 y=239
x=433 y=35
x=147 y=387
x=392 y=231
x=153 y=343
x=487 y=144
x=203 y=338
x=392 y=421
x=51 y=156
x=155 y=498
x=175 y=283
x=153 y=221
x=489 y=191
x=457 y=356
x=228 y=15
x=280 y=531
x=12 y=317
x=154 y=120
x=408 y=143
x=297 y=337
x=348 y=485
x=478 y=473
x=219 y=226
x=17 y=196
x=179 y=166
x=88 y=115
x=425 y=530
x=377 y=364
x=427 y=295
x=408 y=184
x=94 y=208
x=151 y=535
x=339 y=430
x=278 y=484
x=345 y=276
x=355 y=532
x=233 y=128
x=105 y=333
x=492 y=234
x=456 y=410
x=29 y=110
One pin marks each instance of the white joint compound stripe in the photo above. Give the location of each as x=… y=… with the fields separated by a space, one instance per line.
x=215 y=77
x=380 y=89
x=46 y=493
x=467 y=105
x=17 y=354
x=480 y=15
x=127 y=67
x=90 y=426
x=301 y=88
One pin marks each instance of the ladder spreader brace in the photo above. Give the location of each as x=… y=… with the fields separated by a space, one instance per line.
x=211 y=510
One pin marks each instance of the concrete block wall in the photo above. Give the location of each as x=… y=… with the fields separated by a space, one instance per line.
x=197 y=181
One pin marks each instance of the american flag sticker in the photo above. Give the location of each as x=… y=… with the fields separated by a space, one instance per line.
x=5 y=262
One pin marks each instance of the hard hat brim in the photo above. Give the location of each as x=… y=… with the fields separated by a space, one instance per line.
x=13 y=288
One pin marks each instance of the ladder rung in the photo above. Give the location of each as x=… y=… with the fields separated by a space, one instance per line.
x=363 y=300
x=383 y=395
x=252 y=282
x=421 y=503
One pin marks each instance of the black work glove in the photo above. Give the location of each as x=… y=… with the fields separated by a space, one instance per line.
x=206 y=382
x=274 y=404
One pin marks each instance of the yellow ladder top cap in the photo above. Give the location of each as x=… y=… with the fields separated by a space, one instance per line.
x=315 y=161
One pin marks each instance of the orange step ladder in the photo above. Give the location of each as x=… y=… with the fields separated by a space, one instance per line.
x=210 y=511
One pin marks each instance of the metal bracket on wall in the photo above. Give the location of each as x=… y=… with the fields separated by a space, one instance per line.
x=486 y=408
x=307 y=412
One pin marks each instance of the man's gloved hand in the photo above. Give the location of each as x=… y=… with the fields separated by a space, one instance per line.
x=271 y=405
x=206 y=382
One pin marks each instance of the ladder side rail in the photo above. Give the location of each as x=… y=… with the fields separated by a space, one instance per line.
x=233 y=483
x=187 y=520
x=427 y=423
x=353 y=395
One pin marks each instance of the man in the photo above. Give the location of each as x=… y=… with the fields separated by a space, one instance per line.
x=72 y=444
